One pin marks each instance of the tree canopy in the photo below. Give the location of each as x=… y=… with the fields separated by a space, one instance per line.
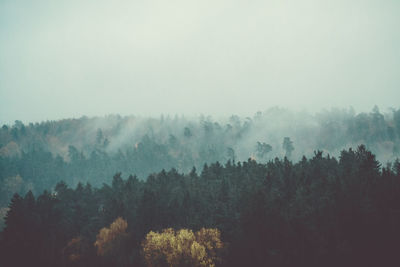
x=318 y=211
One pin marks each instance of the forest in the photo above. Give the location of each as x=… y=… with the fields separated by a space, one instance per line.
x=37 y=156
x=320 y=211
x=199 y=133
x=278 y=189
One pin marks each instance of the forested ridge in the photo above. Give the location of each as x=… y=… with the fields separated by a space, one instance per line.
x=277 y=189
x=319 y=211
x=36 y=156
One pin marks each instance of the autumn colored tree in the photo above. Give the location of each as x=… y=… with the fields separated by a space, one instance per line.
x=109 y=240
x=211 y=240
x=182 y=248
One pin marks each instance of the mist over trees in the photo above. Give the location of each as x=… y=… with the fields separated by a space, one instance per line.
x=38 y=155
x=277 y=189
x=199 y=133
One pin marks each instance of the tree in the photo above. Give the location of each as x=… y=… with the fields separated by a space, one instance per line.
x=109 y=240
x=20 y=235
x=263 y=149
x=288 y=146
x=396 y=119
x=182 y=248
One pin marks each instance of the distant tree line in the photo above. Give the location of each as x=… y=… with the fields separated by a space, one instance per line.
x=37 y=156
x=320 y=211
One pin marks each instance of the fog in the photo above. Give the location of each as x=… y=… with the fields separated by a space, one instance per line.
x=63 y=59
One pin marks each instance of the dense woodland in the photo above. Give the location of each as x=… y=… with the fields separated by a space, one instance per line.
x=37 y=156
x=118 y=191
x=320 y=211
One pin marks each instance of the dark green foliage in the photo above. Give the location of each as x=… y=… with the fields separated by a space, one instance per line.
x=37 y=156
x=317 y=212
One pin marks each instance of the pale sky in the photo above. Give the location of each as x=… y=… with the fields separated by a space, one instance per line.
x=63 y=59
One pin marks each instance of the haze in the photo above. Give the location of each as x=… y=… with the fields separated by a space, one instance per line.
x=61 y=59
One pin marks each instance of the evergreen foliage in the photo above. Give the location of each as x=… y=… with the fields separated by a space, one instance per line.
x=321 y=211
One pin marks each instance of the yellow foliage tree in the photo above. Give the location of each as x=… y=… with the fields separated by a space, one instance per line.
x=182 y=248
x=110 y=238
x=211 y=240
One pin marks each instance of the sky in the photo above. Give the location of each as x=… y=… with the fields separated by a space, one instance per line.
x=64 y=59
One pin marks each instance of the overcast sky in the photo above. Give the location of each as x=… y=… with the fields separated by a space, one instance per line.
x=62 y=59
